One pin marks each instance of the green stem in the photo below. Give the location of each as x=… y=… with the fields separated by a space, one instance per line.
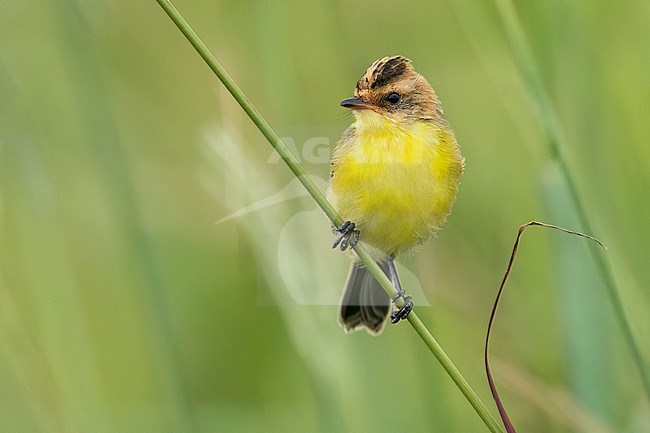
x=551 y=126
x=318 y=196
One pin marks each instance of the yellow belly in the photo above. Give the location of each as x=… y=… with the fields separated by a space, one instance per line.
x=397 y=185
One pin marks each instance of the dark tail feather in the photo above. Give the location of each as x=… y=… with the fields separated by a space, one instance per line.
x=364 y=303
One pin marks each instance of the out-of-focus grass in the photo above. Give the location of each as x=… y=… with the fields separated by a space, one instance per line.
x=117 y=289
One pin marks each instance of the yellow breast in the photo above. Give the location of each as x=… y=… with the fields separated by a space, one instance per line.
x=396 y=183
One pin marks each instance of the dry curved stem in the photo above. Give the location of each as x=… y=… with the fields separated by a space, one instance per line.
x=495 y=394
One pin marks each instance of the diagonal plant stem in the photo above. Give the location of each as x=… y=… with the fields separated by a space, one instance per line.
x=320 y=199
x=551 y=126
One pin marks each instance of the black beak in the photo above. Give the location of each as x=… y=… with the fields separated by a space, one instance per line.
x=355 y=104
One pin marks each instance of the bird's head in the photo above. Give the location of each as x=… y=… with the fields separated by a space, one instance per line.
x=391 y=88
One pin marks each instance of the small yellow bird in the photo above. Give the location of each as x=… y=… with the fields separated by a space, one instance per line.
x=395 y=174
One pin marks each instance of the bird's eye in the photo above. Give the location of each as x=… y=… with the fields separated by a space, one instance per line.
x=393 y=98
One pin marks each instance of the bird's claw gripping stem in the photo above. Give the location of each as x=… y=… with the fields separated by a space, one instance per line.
x=348 y=237
x=404 y=310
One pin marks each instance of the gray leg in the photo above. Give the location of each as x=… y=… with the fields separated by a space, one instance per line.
x=392 y=272
x=404 y=311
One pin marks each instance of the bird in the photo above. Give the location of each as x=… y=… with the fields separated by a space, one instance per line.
x=395 y=174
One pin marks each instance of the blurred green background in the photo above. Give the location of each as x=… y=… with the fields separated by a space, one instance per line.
x=125 y=308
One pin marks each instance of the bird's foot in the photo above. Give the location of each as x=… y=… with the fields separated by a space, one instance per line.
x=404 y=310
x=348 y=237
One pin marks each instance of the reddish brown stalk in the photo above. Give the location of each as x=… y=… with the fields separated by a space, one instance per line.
x=502 y=411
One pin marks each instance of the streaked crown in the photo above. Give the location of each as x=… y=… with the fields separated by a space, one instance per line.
x=391 y=87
